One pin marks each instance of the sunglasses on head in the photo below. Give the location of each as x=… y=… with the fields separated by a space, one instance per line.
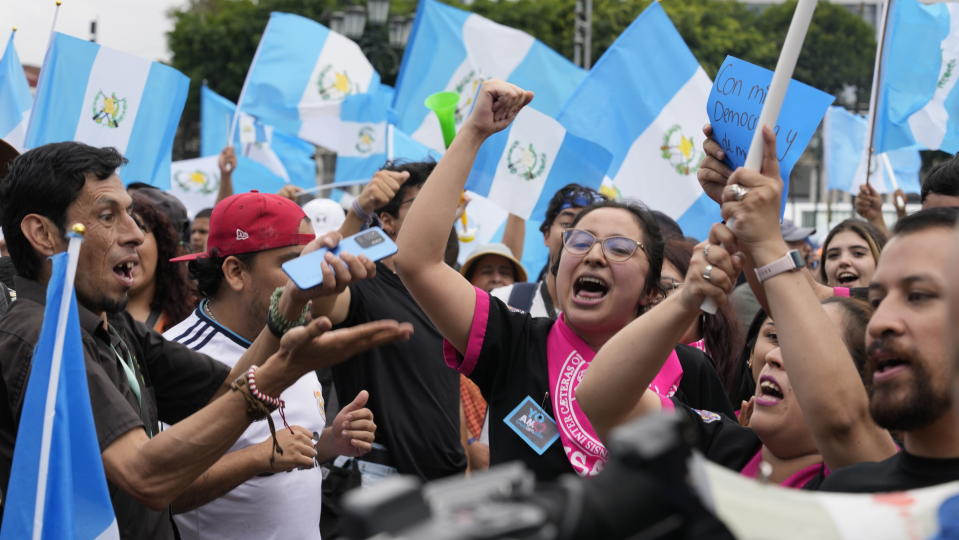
x=580 y=198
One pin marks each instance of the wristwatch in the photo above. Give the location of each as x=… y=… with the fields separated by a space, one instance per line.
x=793 y=260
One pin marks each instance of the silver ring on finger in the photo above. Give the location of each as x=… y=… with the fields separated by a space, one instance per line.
x=706 y=252
x=739 y=192
x=707 y=272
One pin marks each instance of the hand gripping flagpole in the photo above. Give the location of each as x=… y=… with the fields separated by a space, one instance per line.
x=46 y=439
x=777 y=92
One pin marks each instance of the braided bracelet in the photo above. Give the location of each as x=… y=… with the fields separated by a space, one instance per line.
x=276 y=323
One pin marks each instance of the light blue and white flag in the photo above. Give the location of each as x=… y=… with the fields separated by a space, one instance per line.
x=196 y=182
x=288 y=157
x=845 y=157
x=919 y=91
x=645 y=102
x=301 y=73
x=368 y=142
x=57 y=487
x=105 y=97
x=521 y=167
x=454 y=50
x=15 y=98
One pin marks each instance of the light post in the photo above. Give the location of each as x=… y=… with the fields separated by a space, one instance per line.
x=381 y=36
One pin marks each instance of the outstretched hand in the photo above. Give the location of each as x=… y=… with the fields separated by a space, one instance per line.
x=315 y=346
x=496 y=107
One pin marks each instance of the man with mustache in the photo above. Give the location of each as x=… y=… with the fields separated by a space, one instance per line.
x=909 y=368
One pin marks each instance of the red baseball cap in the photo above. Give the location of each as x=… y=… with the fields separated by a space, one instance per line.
x=249 y=222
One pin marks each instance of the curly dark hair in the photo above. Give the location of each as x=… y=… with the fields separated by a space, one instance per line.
x=175 y=294
x=722 y=332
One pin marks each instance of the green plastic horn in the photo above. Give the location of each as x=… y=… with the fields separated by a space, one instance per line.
x=444 y=105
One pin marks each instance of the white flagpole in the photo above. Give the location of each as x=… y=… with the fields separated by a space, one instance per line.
x=236 y=111
x=49 y=409
x=777 y=92
x=389 y=142
x=876 y=80
x=334 y=185
x=53 y=27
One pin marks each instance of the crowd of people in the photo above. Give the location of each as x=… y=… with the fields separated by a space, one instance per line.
x=221 y=391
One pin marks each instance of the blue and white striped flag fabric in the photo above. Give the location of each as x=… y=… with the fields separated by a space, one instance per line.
x=454 y=50
x=301 y=73
x=919 y=92
x=365 y=145
x=15 y=98
x=196 y=182
x=521 y=167
x=645 y=102
x=57 y=481
x=105 y=97
x=289 y=158
x=845 y=161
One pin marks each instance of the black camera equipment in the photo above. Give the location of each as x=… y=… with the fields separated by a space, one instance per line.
x=643 y=493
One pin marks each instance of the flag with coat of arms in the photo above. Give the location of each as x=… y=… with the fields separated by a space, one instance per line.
x=301 y=74
x=521 y=167
x=368 y=140
x=15 y=97
x=645 y=102
x=919 y=90
x=105 y=97
x=453 y=50
x=57 y=487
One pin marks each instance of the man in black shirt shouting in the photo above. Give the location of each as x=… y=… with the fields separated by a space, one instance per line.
x=909 y=369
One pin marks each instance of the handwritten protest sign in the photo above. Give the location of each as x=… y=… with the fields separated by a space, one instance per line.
x=736 y=100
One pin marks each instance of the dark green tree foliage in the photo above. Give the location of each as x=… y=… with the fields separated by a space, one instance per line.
x=840 y=47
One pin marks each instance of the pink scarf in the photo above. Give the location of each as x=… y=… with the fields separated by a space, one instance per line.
x=567 y=358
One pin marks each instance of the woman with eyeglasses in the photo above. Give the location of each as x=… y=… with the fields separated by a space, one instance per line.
x=528 y=368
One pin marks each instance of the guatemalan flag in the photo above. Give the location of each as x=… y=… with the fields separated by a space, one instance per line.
x=57 y=482
x=15 y=98
x=845 y=157
x=368 y=141
x=454 y=50
x=521 y=167
x=645 y=102
x=919 y=93
x=300 y=75
x=284 y=156
x=105 y=97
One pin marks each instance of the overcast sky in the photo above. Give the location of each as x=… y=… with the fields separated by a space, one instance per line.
x=135 y=26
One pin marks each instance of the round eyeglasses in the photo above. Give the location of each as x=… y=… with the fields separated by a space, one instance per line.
x=616 y=248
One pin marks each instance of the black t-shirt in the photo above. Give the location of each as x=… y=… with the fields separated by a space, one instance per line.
x=901 y=472
x=413 y=395
x=176 y=383
x=700 y=387
x=512 y=364
x=721 y=439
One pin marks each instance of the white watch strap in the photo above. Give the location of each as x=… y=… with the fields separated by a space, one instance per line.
x=790 y=261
